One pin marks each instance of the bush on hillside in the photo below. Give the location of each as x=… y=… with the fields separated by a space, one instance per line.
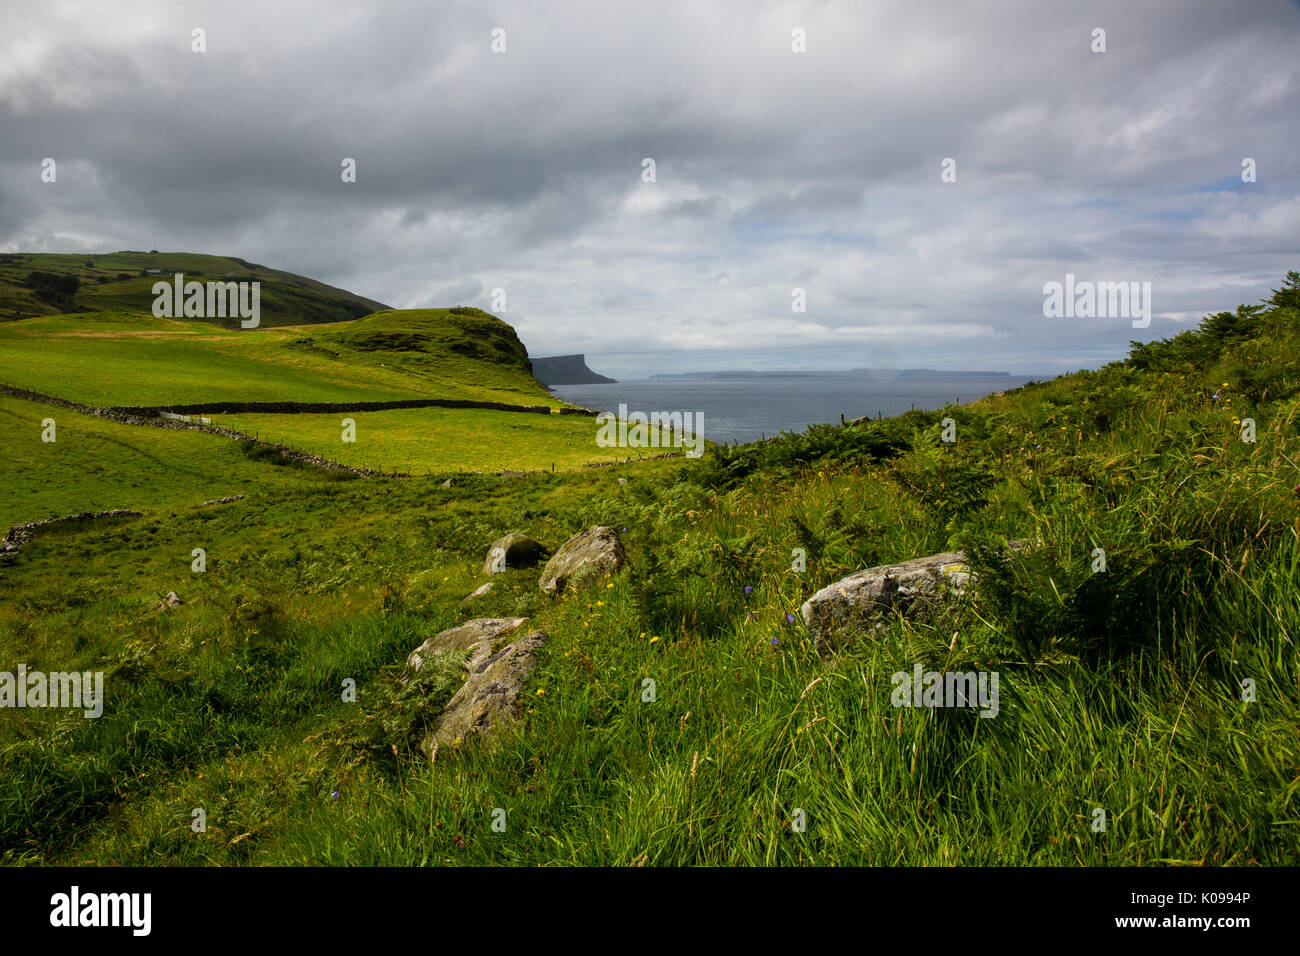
x=56 y=290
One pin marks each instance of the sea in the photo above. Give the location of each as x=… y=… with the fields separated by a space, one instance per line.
x=748 y=406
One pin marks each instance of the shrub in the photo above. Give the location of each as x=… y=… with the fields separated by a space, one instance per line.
x=56 y=290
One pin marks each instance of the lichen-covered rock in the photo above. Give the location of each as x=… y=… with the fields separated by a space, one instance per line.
x=489 y=698
x=480 y=637
x=854 y=603
x=582 y=559
x=515 y=550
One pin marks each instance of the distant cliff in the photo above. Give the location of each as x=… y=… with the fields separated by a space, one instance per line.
x=566 y=370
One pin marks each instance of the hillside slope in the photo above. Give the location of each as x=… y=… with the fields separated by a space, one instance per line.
x=115 y=359
x=122 y=282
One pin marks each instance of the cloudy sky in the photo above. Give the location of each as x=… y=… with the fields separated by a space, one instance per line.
x=774 y=169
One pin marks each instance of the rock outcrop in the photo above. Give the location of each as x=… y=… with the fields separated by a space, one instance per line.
x=582 y=559
x=515 y=550
x=565 y=370
x=489 y=698
x=478 y=636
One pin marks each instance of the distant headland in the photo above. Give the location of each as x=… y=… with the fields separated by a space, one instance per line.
x=566 y=370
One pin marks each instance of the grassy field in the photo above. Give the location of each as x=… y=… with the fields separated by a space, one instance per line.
x=98 y=465
x=428 y=440
x=1121 y=691
x=130 y=359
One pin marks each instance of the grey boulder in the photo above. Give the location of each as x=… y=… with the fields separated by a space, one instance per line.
x=582 y=559
x=861 y=600
x=489 y=698
x=170 y=601
x=477 y=636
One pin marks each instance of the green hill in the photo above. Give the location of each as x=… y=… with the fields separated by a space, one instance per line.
x=123 y=282
x=98 y=343
x=120 y=358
